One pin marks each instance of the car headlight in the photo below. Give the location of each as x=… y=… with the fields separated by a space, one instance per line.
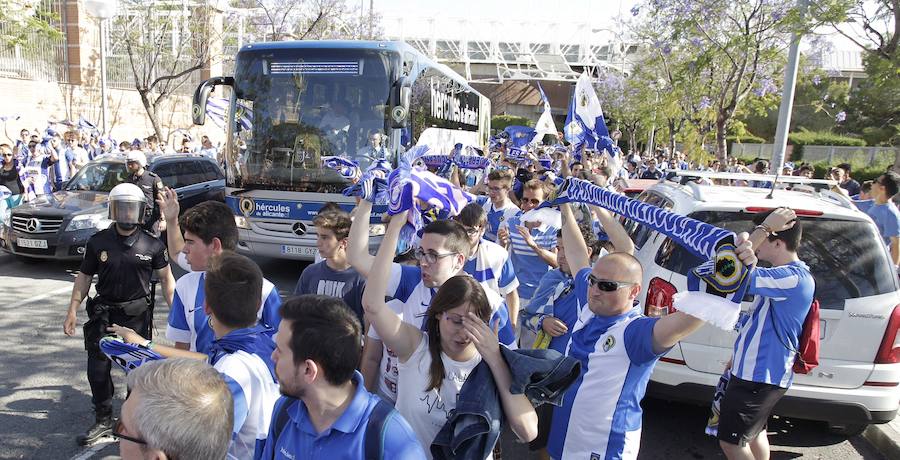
x=242 y=222
x=86 y=221
x=376 y=229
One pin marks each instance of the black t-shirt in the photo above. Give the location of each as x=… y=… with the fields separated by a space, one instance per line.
x=124 y=264
x=10 y=179
x=151 y=185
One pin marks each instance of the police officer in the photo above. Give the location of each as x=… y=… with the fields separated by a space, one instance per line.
x=149 y=183
x=123 y=257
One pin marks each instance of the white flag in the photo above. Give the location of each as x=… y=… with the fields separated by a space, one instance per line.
x=587 y=105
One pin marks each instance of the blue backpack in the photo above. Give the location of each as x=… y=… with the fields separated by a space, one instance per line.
x=373 y=441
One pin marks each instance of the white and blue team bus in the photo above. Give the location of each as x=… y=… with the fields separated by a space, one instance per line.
x=292 y=103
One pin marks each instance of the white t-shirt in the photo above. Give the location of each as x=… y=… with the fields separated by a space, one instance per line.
x=427 y=412
x=254 y=392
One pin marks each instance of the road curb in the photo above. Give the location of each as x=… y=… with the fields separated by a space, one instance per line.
x=885 y=437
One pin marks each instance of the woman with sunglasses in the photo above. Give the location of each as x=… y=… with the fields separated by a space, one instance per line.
x=435 y=362
x=10 y=177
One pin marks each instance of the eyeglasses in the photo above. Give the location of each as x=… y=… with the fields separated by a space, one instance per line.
x=496 y=189
x=472 y=231
x=607 y=285
x=430 y=257
x=533 y=201
x=117 y=432
x=457 y=320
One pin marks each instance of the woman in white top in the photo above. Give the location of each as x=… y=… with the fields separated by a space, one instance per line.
x=436 y=361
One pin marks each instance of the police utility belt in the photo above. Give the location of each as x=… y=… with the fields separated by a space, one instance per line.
x=131 y=308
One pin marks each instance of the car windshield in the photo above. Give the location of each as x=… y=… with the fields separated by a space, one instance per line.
x=296 y=106
x=846 y=258
x=98 y=177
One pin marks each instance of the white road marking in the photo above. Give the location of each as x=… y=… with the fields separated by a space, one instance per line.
x=39 y=297
x=91 y=451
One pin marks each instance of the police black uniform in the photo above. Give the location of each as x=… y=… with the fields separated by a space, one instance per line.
x=124 y=265
x=151 y=185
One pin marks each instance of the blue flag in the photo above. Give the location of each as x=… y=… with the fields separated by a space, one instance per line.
x=519 y=136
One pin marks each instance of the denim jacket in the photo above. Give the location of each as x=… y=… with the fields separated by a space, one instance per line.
x=473 y=427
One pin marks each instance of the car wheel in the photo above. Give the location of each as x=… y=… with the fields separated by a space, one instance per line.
x=847 y=429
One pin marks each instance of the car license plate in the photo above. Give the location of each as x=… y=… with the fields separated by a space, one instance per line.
x=33 y=244
x=299 y=250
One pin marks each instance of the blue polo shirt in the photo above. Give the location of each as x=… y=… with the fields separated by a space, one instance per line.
x=345 y=439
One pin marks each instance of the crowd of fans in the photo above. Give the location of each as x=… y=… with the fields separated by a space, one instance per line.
x=41 y=161
x=505 y=313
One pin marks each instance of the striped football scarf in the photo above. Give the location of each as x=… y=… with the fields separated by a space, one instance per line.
x=716 y=287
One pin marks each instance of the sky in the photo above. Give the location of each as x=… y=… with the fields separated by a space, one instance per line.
x=528 y=20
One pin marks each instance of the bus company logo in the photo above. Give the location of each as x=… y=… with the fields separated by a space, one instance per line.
x=247 y=206
x=609 y=343
x=451 y=107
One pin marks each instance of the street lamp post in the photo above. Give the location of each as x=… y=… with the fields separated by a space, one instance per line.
x=102 y=10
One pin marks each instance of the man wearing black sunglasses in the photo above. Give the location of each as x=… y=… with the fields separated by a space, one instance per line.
x=617 y=347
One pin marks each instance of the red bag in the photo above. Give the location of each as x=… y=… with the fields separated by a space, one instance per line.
x=807 y=357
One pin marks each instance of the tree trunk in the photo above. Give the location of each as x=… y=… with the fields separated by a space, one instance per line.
x=151 y=113
x=721 y=145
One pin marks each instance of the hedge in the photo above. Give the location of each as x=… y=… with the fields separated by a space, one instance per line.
x=799 y=139
x=498 y=122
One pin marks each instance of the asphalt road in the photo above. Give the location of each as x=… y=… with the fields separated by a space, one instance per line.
x=45 y=399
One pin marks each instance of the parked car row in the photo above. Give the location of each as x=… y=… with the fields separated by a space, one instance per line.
x=58 y=225
x=856 y=382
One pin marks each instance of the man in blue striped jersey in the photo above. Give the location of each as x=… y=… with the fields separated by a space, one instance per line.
x=769 y=338
x=531 y=245
x=600 y=417
x=209 y=229
x=496 y=204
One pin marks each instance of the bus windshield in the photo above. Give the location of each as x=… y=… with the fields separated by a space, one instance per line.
x=294 y=107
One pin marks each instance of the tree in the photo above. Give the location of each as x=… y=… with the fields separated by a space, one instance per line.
x=733 y=49
x=168 y=43
x=24 y=21
x=873 y=109
x=276 y=20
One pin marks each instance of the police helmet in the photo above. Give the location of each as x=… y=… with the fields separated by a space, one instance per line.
x=136 y=156
x=127 y=204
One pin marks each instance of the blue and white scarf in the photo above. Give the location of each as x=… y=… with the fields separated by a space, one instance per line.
x=716 y=287
x=408 y=184
x=345 y=166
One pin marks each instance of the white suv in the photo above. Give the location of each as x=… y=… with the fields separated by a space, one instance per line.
x=856 y=382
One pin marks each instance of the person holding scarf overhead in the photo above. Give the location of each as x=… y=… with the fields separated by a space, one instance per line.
x=241 y=351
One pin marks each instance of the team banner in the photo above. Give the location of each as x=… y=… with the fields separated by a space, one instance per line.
x=715 y=288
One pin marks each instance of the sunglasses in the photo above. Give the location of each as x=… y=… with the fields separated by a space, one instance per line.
x=607 y=285
x=7 y=155
x=533 y=201
x=117 y=432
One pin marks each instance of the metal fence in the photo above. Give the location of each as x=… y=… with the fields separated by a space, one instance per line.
x=830 y=154
x=39 y=57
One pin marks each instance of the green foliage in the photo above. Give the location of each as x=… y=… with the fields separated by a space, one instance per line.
x=799 y=139
x=499 y=122
x=874 y=106
x=26 y=24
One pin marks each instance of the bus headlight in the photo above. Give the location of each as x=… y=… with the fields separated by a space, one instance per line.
x=376 y=229
x=242 y=222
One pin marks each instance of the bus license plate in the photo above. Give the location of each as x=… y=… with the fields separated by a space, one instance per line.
x=32 y=244
x=299 y=250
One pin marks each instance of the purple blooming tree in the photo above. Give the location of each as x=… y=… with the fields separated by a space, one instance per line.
x=716 y=55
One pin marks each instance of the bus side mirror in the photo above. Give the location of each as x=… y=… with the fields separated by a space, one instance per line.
x=201 y=95
x=400 y=108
